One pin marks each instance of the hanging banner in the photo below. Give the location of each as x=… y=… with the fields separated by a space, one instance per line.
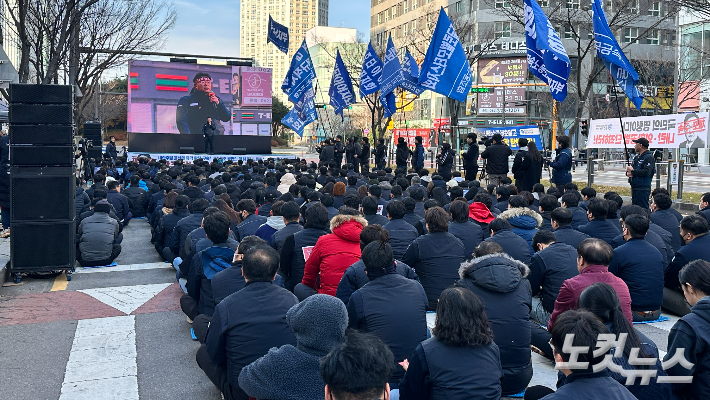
x=513 y=134
x=685 y=131
x=409 y=136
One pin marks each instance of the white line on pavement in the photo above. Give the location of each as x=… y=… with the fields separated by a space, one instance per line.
x=130 y=267
x=102 y=362
x=126 y=298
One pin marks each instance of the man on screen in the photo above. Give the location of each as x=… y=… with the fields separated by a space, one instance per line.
x=693 y=124
x=202 y=103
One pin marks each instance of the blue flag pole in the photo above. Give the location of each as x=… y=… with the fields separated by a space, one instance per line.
x=623 y=134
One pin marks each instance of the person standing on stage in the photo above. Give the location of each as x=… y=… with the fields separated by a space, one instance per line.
x=641 y=173
x=470 y=157
x=194 y=109
x=339 y=149
x=111 y=150
x=208 y=131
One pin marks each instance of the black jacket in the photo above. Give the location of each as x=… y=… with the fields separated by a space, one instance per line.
x=279 y=237
x=355 y=277
x=513 y=245
x=546 y=221
x=376 y=219
x=499 y=281
x=591 y=386
x=435 y=257
x=292 y=261
x=246 y=325
x=579 y=217
x=204 y=266
x=640 y=265
x=81 y=199
x=698 y=249
x=393 y=308
x=568 y=235
x=402 y=155
x=138 y=200
x=194 y=193
x=440 y=372
x=194 y=109
x=249 y=226
x=231 y=280
x=90 y=191
x=521 y=163
x=549 y=268
x=692 y=333
x=401 y=234
x=668 y=221
x=470 y=157
x=209 y=129
x=469 y=234
x=655 y=241
x=497 y=156
x=120 y=203
x=182 y=229
x=165 y=227
x=600 y=229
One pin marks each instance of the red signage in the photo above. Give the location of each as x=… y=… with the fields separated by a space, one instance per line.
x=428 y=136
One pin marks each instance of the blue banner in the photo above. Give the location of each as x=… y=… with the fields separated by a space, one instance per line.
x=512 y=134
x=392 y=76
x=341 y=91
x=445 y=69
x=300 y=74
x=547 y=58
x=411 y=75
x=371 y=72
x=278 y=35
x=302 y=113
x=614 y=59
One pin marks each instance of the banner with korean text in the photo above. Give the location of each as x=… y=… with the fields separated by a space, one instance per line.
x=672 y=131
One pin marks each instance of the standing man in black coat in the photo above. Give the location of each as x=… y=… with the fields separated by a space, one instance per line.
x=365 y=155
x=470 y=157
x=380 y=153
x=111 y=150
x=521 y=163
x=339 y=150
x=402 y=154
x=445 y=160
x=208 y=130
x=641 y=173
x=327 y=152
x=497 y=155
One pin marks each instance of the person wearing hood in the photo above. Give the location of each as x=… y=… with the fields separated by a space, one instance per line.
x=480 y=212
x=402 y=154
x=435 y=256
x=499 y=281
x=293 y=258
x=524 y=221
x=469 y=233
x=250 y=220
x=293 y=372
x=274 y=222
x=205 y=264
x=248 y=323
x=515 y=246
x=332 y=255
x=286 y=181
x=691 y=334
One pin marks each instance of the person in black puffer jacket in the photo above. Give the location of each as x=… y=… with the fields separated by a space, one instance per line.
x=445 y=160
x=402 y=153
x=496 y=156
x=401 y=233
x=137 y=196
x=499 y=281
x=82 y=199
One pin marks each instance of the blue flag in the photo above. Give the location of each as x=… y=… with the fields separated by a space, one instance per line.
x=445 y=69
x=341 y=91
x=614 y=59
x=302 y=113
x=392 y=76
x=300 y=74
x=411 y=75
x=371 y=72
x=547 y=58
x=278 y=35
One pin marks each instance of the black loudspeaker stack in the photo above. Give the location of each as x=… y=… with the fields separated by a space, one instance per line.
x=42 y=176
x=92 y=132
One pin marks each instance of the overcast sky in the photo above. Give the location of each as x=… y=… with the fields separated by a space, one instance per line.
x=212 y=27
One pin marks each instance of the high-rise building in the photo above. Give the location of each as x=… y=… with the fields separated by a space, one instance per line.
x=298 y=15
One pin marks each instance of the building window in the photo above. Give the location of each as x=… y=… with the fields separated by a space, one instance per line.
x=544 y=3
x=387 y=15
x=502 y=30
x=574 y=4
x=502 y=4
x=633 y=7
x=609 y=6
x=406 y=6
x=414 y=24
x=404 y=29
x=654 y=9
x=569 y=32
x=458 y=6
x=379 y=18
x=653 y=36
x=394 y=12
x=630 y=34
x=414 y=4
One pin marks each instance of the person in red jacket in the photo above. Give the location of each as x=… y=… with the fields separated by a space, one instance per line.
x=332 y=255
x=593 y=257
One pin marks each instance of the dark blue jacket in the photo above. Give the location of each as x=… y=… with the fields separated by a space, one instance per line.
x=249 y=226
x=591 y=386
x=376 y=219
x=546 y=221
x=644 y=167
x=402 y=234
x=182 y=229
x=600 y=229
x=568 y=235
x=640 y=265
x=435 y=258
x=549 y=268
x=120 y=203
x=393 y=308
x=355 y=277
x=230 y=281
x=561 y=167
x=440 y=372
x=654 y=240
x=698 y=249
x=205 y=265
x=579 y=217
x=468 y=233
x=279 y=237
x=292 y=261
x=513 y=245
x=668 y=221
x=246 y=325
x=499 y=281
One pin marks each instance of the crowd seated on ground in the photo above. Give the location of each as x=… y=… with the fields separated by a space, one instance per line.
x=296 y=275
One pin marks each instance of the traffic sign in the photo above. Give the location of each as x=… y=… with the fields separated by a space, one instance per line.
x=366 y=131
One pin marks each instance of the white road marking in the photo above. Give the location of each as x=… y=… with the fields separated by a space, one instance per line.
x=130 y=267
x=102 y=362
x=126 y=298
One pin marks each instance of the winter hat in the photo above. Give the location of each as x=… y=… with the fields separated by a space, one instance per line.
x=319 y=323
x=452 y=183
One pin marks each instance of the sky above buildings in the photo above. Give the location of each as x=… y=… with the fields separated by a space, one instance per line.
x=212 y=27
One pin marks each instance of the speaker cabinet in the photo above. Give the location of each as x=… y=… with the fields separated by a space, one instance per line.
x=40 y=114
x=42 y=194
x=96 y=153
x=41 y=134
x=40 y=94
x=41 y=155
x=42 y=246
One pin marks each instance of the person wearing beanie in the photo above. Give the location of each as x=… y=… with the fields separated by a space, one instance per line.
x=293 y=372
x=99 y=237
x=248 y=323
